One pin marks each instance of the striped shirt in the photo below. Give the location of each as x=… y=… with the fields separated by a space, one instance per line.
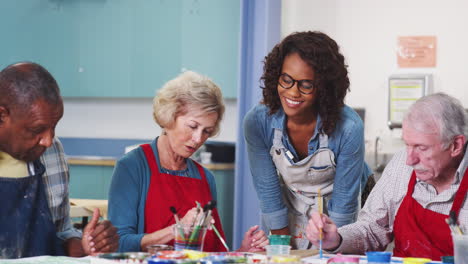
x=373 y=230
x=56 y=180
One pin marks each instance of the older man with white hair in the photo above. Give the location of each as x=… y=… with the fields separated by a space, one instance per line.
x=418 y=190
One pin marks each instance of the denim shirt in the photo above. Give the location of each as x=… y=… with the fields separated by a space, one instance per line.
x=346 y=142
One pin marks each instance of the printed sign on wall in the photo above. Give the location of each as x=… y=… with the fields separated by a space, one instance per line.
x=417 y=51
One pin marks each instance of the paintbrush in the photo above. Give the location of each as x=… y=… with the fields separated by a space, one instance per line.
x=196 y=215
x=452 y=222
x=320 y=209
x=209 y=207
x=196 y=229
x=212 y=206
x=179 y=226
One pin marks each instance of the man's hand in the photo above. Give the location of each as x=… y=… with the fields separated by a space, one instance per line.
x=73 y=247
x=331 y=239
x=99 y=237
x=254 y=240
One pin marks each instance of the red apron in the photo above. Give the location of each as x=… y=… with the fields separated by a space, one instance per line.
x=420 y=232
x=167 y=190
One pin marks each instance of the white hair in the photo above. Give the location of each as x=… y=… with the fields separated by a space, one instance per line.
x=439 y=113
x=186 y=92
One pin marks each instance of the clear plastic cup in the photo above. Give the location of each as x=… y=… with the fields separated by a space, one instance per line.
x=189 y=237
x=273 y=250
x=460 y=244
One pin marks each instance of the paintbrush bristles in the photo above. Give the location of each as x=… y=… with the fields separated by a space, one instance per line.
x=174 y=211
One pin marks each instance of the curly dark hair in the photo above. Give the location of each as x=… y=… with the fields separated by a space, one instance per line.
x=322 y=54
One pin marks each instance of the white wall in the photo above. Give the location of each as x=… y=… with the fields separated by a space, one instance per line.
x=367 y=32
x=125 y=118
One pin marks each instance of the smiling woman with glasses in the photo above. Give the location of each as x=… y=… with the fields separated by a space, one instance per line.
x=302 y=139
x=304 y=86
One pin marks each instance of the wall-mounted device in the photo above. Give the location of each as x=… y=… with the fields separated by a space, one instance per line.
x=403 y=91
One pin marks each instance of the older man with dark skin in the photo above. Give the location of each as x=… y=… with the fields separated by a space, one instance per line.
x=30 y=108
x=417 y=191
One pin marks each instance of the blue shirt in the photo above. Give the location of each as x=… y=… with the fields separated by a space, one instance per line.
x=128 y=191
x=346 y=142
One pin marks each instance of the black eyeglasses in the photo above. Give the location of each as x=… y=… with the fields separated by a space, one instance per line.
x=304 y=86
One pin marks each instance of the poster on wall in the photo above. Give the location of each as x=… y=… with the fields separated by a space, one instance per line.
x=416 y=51
x=404 y=90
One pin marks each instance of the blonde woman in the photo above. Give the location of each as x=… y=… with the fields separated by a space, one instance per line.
x=152 y=178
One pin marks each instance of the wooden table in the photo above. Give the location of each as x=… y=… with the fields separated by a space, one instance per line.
x=84 y=208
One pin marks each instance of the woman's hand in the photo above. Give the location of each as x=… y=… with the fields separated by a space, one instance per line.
x=254 y=240
x=189 y=217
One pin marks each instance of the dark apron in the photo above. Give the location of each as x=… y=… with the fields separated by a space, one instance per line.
x=26 y=226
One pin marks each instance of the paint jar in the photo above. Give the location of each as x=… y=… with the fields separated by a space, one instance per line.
x=290 y=259
x=189 y=237
x=257 y=259
x=124 y=257
x=374 y=257
x=195 y=255
x=343 y=260
x=448 y=259
x=171 y=254
x=272 y=250
x=460 y=244
x=156 y=260
x=279 y=239
x=154 y=249
x=416 y=260
x=222 y=259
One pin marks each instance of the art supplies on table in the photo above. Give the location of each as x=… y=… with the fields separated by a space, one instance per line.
x=362 y=259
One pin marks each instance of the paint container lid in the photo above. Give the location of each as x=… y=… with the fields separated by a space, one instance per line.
x=195 y=254
x=285 y=259
x=448 y=259
x=156 y=260
x=171 y=254
x=416 y=260
x=123 y=256
x=343 y=259
x=154 y=249
x=279 y=239
x=378 y=257
x=223 y=259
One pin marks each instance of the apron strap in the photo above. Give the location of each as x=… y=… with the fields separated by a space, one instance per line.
x=278 y=135
x=323 y=139
x=150 y=157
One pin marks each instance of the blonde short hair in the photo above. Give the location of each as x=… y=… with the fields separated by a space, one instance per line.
x=189 y=90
